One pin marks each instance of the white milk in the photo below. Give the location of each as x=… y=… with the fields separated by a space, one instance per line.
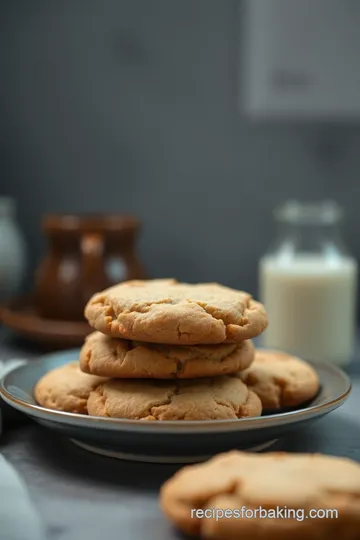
x=311 y=306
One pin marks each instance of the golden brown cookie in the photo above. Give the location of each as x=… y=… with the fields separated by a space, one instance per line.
x=201 y=399
x=165 y=311
x=239 y=482
x=121 y=358
x=281 y=380
x=66 y=389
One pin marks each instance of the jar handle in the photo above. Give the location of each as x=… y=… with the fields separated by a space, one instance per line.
x=92 y=267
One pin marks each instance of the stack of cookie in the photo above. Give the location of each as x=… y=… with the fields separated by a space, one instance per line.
x=171 y=351
x=164 y=350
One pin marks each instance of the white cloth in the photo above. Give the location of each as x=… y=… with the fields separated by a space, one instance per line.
x=19 y=519
x=6 y=367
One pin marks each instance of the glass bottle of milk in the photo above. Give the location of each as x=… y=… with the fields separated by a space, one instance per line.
x=308 y=284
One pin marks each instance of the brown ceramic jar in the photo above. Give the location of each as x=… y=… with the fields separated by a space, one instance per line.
x=86 y=254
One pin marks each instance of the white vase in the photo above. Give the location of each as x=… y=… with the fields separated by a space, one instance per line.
x=12 y=250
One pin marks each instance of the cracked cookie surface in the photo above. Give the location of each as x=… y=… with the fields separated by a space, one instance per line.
x=218 y=398
x=119 y=358
x=66 y=389
x=165 y=311
x=237 y=480
x=280 y=380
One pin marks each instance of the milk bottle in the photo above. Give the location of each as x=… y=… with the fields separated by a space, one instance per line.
x=308 y=284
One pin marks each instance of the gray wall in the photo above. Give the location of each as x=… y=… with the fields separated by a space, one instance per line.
x=130 y=106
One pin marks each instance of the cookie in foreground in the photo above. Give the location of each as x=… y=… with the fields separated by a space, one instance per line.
x=165 y=311
x=119 y=358
x=322 y=491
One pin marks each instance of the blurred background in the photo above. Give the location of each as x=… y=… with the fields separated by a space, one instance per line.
x=132 y=107
x=197 y=118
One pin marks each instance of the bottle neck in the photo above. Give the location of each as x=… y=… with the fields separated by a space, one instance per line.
x=319 y=240
x=310 y=234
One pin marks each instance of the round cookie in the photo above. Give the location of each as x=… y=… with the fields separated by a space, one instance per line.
x=120 y=358
x=66 y=389
x=239 y=482
x=165 y=311
x=280 y=380
x=201 y=399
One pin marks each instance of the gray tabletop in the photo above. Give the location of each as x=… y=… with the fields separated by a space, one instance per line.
x=81 y=496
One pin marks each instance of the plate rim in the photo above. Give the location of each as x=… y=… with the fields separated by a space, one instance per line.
x=173 y=426
x=167 y=459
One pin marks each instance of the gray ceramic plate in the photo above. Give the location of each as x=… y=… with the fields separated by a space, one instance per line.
x=168 y=441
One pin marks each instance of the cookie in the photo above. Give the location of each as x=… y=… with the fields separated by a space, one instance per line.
x=281 y=380
x=202 y=399
x=237 y=482
x=120 y=358
x=66 y=388
x=165 y=311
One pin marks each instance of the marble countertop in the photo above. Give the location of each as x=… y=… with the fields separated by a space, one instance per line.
x=81 y=496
